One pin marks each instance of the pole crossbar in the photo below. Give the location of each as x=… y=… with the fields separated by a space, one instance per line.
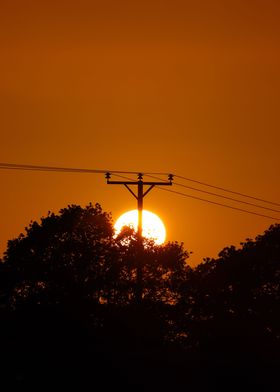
x=137 y=182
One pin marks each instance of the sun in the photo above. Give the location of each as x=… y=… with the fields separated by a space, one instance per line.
x=153 y=227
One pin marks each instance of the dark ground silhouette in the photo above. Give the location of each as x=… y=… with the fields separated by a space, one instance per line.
x=68 y=316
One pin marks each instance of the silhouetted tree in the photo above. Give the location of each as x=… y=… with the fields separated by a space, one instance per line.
x=68 y=301
x=73 y=259
x=229 y=307
x=66 y=256
x=68 y=277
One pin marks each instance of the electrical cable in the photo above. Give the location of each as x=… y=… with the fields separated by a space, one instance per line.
x=208 y=201
x=15 y=166
x=226 y=190
x=216 y=203
x=217 y=195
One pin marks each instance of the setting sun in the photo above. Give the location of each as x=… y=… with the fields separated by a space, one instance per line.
x=153 y=226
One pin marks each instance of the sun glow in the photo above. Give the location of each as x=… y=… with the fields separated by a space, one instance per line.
x=153 y=226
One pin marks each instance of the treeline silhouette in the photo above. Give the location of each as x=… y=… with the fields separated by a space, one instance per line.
x=69 y=315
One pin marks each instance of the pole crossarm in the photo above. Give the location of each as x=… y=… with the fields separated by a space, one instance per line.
x=140 y=178
x=136 y=182
x=140 y=182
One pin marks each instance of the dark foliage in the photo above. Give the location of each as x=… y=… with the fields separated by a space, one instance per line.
x=69 y=315
x=229 y=310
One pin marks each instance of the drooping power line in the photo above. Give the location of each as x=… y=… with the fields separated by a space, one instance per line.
x=209 y=201
x=227 y=190
x=218 y=195
x=14 y=166
x=219 y=204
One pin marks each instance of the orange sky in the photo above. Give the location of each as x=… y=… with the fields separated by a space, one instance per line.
x=190 y=87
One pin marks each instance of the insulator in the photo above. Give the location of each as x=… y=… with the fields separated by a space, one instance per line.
x=170 y=177
x=140 y=176
x=108 y=176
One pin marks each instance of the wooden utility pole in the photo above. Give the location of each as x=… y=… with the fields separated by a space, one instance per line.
x=140 y=198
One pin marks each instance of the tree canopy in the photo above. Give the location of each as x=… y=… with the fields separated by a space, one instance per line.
x=70 y=270
x=74 y=256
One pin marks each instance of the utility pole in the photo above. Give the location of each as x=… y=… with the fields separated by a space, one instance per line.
x=140 y=198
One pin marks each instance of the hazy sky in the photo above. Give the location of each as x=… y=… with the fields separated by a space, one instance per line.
x=190 y=87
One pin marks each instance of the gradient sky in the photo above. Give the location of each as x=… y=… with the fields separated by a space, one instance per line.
x=190 y=87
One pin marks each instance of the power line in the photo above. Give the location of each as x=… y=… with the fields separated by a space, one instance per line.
x=227 y=190
x=216 y=194
x=219 y=204
x=209 y=201
x=222 y=196
x=15 y=166
x=124 y=177
x=12 y=166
